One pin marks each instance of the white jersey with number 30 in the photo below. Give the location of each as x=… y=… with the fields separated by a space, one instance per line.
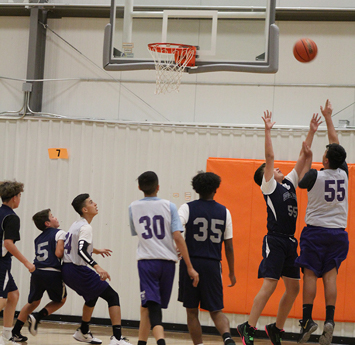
x=154 y=220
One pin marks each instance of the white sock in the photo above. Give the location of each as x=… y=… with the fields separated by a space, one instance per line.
x=6 y=332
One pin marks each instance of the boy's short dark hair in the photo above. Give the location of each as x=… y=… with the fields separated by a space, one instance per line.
x=8 y=189
x=205 y=183
x=40 y=218
x=148 y=182
x=79 y=202
x=336 y=155
x=259 y=173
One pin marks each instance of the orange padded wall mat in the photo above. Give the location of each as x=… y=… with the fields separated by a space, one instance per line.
x=239 y=193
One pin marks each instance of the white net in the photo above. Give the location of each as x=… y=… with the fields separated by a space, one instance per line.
x=170 y=61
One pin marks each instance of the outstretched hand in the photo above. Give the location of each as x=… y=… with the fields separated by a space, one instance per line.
x=267 y=119
x=315 y=122
x=104 y=252
x=328 y=109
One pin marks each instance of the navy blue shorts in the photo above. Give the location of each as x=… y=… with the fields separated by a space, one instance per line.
x=209 y=292
x=84 y=281
x=7 y=282
x=322 y=249
x=279 y=255
x=50 y=281
x=156 y=279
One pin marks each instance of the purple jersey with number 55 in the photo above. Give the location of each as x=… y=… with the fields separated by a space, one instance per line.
x=154 y=220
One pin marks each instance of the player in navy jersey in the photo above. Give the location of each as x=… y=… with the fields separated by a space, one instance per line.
x=49 y=249
x=324 y=242
x=91 y=285
x=156 y=223
x=10 y=193
x=279 y=245
x=208 y=224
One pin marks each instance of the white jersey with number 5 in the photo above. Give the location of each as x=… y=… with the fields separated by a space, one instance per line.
x=328 y=200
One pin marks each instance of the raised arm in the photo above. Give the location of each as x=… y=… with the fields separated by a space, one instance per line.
x=269 y=151
x=304 y=161
x=313 y=127
x=327 y=113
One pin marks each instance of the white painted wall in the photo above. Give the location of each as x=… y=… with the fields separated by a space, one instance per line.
x=104 y=160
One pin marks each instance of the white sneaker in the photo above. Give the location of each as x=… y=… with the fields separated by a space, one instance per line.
x=4 y=341
x=86 y=338
x=122 y=341
x=32 y=324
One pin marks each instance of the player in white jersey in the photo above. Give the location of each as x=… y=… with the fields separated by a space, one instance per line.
x=86 y=282
x=324 y=242
x=279 y=244
x=157 y=224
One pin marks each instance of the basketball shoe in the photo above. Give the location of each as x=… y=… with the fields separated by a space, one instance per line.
x=32 y=324
x=122 y=341
x=274 y=334
x=307 y=328
x=86 y=338
x=246 y=332
x=327 y=336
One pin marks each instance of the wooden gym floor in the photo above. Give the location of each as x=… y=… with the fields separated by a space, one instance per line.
x=55 y=333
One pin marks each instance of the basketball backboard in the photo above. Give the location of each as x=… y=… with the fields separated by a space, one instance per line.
x=230 y=35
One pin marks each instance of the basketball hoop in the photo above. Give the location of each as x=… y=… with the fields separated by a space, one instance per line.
x=170 y=61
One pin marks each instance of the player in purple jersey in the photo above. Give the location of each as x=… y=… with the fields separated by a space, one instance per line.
x=324 y=242
x=86 y=282
x=49 y=248
x=279 y=245
x=10 y=193
x=156 y=223
x=208 y=225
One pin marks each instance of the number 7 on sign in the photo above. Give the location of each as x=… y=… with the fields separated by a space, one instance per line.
x=58 y=153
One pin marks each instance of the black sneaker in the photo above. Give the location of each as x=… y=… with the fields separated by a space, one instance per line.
x=18 y=338
x=246 y=333
x=32 y=324
x=327 y=336
x=307 y=328
x=274 y=334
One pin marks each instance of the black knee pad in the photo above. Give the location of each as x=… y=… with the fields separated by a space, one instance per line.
x=91 y=303
x=111 y=297
x=155 y=314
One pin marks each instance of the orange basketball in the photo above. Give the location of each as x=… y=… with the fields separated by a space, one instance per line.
x=305 y=50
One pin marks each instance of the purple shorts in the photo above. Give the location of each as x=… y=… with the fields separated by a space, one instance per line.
x=84 y=281
x=156 y=281
x=322 y=249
